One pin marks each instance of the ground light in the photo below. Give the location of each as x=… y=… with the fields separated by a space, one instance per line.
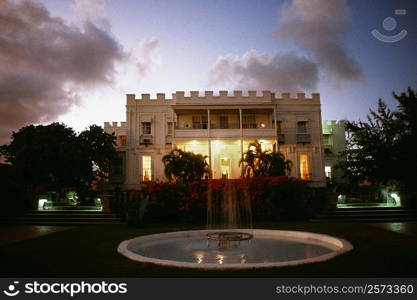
x=41 y=204
x=396 y=198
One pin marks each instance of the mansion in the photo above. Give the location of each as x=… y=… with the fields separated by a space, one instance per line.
x=221 y=127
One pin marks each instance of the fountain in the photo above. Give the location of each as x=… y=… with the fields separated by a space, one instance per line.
x=230 y=242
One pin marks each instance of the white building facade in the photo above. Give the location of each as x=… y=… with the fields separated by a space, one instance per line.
x=334 y=143
x=221 y=127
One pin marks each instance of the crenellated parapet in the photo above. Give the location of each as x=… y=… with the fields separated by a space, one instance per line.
x=315 y=97
x=222 y=97
x=115 y=125
x=118 y=128
x=146 y=99
x=334 y=123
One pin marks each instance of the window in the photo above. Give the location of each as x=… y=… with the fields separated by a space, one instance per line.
x=224 y=122
x=121 y=141
x=304 y=168
x=328 y=171
x=146 y=167
x=146 y=128
x=169 y=128
x=225 y=167
x=302 y=126
x=200 y=122
x=248 y=121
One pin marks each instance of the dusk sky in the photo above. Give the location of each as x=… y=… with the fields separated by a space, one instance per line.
x=73 y=61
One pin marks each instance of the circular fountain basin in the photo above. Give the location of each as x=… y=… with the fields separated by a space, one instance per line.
x=267 y=248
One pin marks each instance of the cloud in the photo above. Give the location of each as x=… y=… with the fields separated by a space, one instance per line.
x=281 y=73
x=90 y=7
x=318 y=27
x=93 y=10
x=44 y=61
x=146 y=56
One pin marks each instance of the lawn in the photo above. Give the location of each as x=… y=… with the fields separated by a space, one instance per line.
x=90 y=251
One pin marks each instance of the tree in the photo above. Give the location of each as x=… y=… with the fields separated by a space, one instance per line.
x=181 y=166
x=54 y=156
x=99 y=150
x=257 y=162
x=382 y=150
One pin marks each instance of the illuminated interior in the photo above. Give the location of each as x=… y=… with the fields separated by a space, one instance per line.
x=146 y=168
x=222 y=155
x=328 y=171
x=304 y=168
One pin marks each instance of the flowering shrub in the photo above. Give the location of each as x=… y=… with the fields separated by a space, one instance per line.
x=270 y=198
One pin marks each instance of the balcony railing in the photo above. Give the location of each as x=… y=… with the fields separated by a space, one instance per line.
x=328 y=149
x=146 y=140
x=303 y=138
x=192 y=126
x=221 y=126
x=224 y=126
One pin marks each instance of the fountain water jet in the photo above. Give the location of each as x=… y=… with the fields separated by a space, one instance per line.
x=228 y=212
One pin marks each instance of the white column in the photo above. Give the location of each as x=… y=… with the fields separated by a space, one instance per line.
x=208 y=122
x=276 y=132
x=173 y=124
x=210 y=160
x=240 y=121
x=241 y=154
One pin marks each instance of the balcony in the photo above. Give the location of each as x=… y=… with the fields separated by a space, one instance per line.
x=225 y=126
x=224 y=133
x=183 y=132
x=259 y=132
x=146 y=140
x=303 y=138
x=328 y=149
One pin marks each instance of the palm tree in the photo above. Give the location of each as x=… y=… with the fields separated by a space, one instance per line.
x=181 y=166
x=257 y=162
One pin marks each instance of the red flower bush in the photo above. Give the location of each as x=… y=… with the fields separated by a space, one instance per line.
x=270 y=197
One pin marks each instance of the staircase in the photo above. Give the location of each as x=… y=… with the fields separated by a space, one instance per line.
x=62 y=217
x=366 y=214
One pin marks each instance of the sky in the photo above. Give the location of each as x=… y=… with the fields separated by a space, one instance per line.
x=73 y=61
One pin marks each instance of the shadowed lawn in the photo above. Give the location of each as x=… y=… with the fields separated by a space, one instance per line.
x=90 y=251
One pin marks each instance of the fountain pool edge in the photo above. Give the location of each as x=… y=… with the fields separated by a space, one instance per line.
x=342 y=245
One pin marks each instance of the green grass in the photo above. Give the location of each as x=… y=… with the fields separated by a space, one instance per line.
x=90 y=251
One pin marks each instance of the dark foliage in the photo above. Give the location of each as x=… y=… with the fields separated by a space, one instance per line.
x=184 y=167
x=382 y=150
x=51 y=157
x=257 y=162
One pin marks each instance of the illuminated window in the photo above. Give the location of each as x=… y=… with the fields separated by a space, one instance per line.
x=121 y=141
x=248 y=121
x=225 y=167
x=169 y=128
x=302 y=126
x=146 y=128
x=328 y=171
x=304 y=168
x=200 y=122
x=146 y=168
x=266 y=145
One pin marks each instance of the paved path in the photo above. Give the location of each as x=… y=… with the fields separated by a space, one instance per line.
x=407 y=228
x=13 y=233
